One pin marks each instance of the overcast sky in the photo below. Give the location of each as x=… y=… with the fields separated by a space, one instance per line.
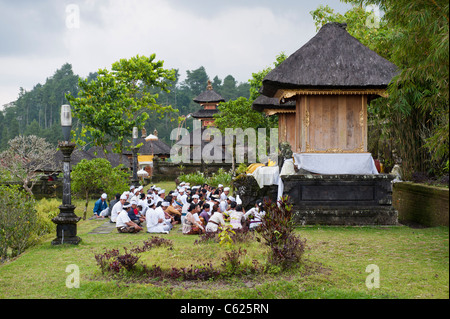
x=234 y=37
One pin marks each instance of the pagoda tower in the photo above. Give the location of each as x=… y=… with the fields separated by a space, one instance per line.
x=209 y=100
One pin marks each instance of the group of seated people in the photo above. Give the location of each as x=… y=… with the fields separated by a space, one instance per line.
x=198 y=209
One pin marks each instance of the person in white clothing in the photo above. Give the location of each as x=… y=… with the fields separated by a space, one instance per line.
x=255 y=215
x=223 y=206
x=214 y=222
x=156 y=221
x=124 y=224
x=117 y=208
x=182 y=197
x=236 y=215
x=226 y=192
x=190 y=225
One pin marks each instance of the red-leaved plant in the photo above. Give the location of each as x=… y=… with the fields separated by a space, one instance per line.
x=277 y=230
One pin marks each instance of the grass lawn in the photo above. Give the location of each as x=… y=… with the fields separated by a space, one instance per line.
x=412 y=263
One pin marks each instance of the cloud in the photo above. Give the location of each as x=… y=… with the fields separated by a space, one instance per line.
x=236 y=37
x=236 y=40
x=27 y=29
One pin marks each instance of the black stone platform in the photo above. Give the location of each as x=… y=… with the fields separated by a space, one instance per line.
x=349 y=200
x=341 y=199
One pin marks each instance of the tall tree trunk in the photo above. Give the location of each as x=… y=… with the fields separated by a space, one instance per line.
x=86 y=205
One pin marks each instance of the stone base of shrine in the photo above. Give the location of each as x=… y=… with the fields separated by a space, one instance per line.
x=346 y=216
x=352 y=200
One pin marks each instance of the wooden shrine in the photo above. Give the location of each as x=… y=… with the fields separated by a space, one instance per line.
x=331 y=79
x=320 y=94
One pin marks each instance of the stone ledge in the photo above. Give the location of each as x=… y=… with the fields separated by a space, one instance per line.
x=347 y=216
x=422 y=204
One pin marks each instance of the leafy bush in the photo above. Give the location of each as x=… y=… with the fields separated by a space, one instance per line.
x=112 y=261
x=242 y=169
x=225 y=234
x=46 y=210
x=231 y=262
x=121 y=265
x=277 y=229
x=220 y=177
x=91 y=176
x=198 y=178
x=21 y=225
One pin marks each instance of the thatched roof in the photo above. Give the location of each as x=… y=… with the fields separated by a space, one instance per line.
x=205 y=113
x=209 y=96
x=155 y=147
x=76 y=156
x=114 y=158
x=263 y=102
x=332 y=59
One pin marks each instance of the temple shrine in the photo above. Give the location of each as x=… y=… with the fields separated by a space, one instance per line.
x=209 y=100
x=320 y=94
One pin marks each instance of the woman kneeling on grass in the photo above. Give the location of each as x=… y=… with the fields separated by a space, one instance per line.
x=215 y=220
x=192 y=224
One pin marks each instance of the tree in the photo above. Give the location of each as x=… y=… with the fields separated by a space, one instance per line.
x=26 y=158
x=92 y=176
x=118 y=100
x=257 y=78
x=18 y=221
x=239 y=112
x=196 y=81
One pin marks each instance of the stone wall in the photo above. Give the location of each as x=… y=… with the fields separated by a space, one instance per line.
x=329 y=199
x=44 y=188
x=417 y=203
x=249 y=191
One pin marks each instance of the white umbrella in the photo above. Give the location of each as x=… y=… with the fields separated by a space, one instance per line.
x=142 y=173
x=151 y=137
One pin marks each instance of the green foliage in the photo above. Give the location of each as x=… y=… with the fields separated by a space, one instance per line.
x=118 y=100
x=242 y=169
x=239 y=113
x=220 y=177
x=199 y=178
x=92 y=176
x=277 y=230
x=47 y=209
x=36 y=112
x=21 y=225
x=226 y=233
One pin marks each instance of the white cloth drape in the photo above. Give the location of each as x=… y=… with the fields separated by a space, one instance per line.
x=341 y=163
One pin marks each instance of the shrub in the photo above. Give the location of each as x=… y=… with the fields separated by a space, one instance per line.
x=220 y=177
x=46 y=210
x=112 y=261
x=20 y=223
x=90 y=176
x=206 y=238
x=225 y=235
x=198 y=178
x=231 y=262
x=277 y=229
